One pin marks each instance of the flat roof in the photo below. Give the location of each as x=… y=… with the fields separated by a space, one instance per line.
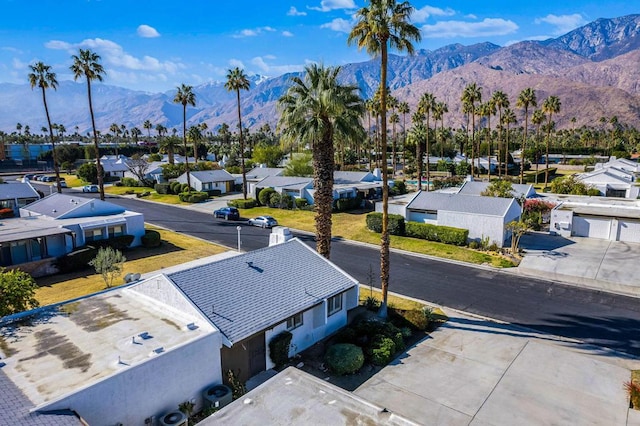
x=602 y=211
x=296 y=397
x=95 y=337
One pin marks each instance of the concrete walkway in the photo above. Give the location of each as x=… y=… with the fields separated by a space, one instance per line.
x=472 y=371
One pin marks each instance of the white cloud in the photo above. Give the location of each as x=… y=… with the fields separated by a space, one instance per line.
x=287 y=34
x=260 y=62
x=147 y=32
x=339 y=24
x=421 y=15
x=58 y=45
x=253 y=32
x=563 y=23
x=236 y=63
x=11 y=49
x=18 y=64
x=328 y=5
x=295 y=12
x=485 y=28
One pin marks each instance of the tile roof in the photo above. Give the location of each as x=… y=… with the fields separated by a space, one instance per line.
x=11 y=190
x=253 y=291
x=262 y=172
x=476 y=188
x=474 y=204
x=283 y=181
x=352 y=177
x=212 y=175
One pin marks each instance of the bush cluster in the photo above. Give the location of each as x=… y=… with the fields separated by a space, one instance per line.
x=128 y=181
x=76 y=260
x=193 y=197
x=396 y=223
x=442 y=234
x=121 y=242
x=151 y=238
x=279 y=348
x=344 y=358
x=346 y=204
x=249 y=203
x=301 y=203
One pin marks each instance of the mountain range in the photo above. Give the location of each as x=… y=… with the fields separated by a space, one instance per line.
x=592 y=69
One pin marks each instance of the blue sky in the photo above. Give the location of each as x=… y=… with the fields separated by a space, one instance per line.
x=157 y=45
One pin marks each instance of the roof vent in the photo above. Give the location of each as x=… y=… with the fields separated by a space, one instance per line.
x=217 y=396
x=174 y=418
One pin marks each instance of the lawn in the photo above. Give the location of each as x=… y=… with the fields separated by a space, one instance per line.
x=175 y=249
x=153 y=196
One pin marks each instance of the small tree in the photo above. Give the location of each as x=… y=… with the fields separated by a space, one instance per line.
x=88 y=172
x=518 y=229
x=500 y=188
x=139 y=167
x=108 y=263
x=17 y=292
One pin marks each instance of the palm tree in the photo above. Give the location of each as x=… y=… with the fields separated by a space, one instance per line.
x=394 y=119
x=403 y=108
x=382 y=25
x=236 y=81
x=115 y=129
x=440 y=109
x=317 y=110
x=472 y=94
x=194 y=135
x=526 y=99
x=500 y=100
x=185 y=96
x=61 y=131
x=537 y=119
x=426 y=105
x=550 y=106
x=148 y=126
x=87 y=64
x=42 y=76
x=489 y=110
x=508 y=118
x=168 y=146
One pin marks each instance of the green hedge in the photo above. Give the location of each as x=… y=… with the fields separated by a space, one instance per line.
x=121 y=242
x=301 y=202
x=443 y=234
x=264 y=196
x=279 y=348
x=76 y=260
x=162 y=188
x=151 y=238
x=239 y=203
x=396 y=223
x=346 y=204
x=214 y=192
x=344 y=358
x=193 y=197
x=175 y=187
x=129 y=181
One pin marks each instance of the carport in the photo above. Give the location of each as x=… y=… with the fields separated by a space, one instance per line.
x=615 y=223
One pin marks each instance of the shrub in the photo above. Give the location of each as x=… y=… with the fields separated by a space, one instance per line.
x=6 y=213
x=151 y=238
x=633 y=390
x=120 y=242
x=344 y=358
x=346 y=335
x=249 y=203
x=346 y=204
x=279 y=348
x=129 y=181
x=396 y=223
x=214 y=192
x=399 y=187
x=264 y=196
x=193 y=197
x=162 y=188
x=301 y=203
x=381 y=350
x=443 y=234
x=76 y=260
x=474 y=245
x=415 y=318
x=184 y=188
x=286 y=201
x=274 y=199
x=175 y=187
x=371 y=303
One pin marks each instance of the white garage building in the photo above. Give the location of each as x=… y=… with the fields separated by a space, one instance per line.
x=597 y=217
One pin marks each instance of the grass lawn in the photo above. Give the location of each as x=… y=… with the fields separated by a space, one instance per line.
x=154 y=196
x=352 y=226
x=398 y=302
x=175 y=249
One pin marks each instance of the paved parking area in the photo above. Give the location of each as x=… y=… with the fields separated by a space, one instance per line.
x=590 y=262
x=477 y=372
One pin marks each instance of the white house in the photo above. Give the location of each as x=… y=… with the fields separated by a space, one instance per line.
x=14 y=195
x=612 y=219
x=257 y=174
x=620 y=163
x=474 y=187
x=612 y=182
x=209 y=180
x=114 y=165
x=484 y=217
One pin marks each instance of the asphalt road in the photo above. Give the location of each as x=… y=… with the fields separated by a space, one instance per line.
x=600 y=318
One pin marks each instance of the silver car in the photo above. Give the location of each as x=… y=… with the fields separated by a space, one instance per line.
x=263 y=221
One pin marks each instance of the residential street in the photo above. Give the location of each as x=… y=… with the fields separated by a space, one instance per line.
x=599 y=318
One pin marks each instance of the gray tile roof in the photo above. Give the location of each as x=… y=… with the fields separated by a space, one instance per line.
x=212 y=176
x=283 y=181
x=352 y=177
x=263 y=172
x=13 y=190
x=15 y=406
x=476 y=188
x=62 y=205
x=248 y=293
x=492 y=206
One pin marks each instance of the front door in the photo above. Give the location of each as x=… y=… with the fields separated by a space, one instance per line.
x=257 y=354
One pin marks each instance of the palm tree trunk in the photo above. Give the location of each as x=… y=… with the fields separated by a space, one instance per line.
x=428 y=149
x=56 y=168
x=184 y=142
x=95 y=143
x=384 y=239
x=323 y=164
x=244 y=173
x=524 y=141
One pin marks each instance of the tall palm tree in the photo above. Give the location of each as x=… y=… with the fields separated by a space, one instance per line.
x=194 y=135
x=394 y=119
x=148 y=126
x=526 y=99
x=440 y=109
x=470 y=95
x=537 y=119
x=42 y=76
x=236 y=81
x=550 y=106
x=115 y=129
x=403 y=108
x=501 y=101
x=426 y=106
x=508 y=118
x=168 y=146
x=382 y=25
x=87 y=64
x=317 y=110
x=489 y=110
x=185 y=96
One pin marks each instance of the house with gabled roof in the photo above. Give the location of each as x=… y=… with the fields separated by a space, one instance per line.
x=612 y=182
x=474 y=187
x=209 y=180
x=484 y=217
x=14 y=195
x=620 y=163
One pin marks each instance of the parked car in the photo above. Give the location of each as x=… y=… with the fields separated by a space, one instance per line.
x=228 y=213
x=90 y=188
x=29 y=177
x=63 y=183
x=263 y=221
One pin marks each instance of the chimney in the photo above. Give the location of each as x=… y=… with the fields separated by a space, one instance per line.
x=279 y=235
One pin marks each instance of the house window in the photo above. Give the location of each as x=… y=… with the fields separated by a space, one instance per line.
x=93 y=234
x=334 y=304
x=294 y=321
x=116 y=231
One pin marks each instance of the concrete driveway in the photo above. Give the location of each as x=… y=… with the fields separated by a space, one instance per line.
x=590 y=262
x=477 y=372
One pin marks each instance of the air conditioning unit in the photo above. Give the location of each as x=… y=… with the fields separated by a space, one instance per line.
x=217 y=396
x=174 y=418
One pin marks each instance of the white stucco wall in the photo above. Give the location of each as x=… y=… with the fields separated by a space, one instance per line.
x=152 y=388
x=479 y=226
x=560 y=222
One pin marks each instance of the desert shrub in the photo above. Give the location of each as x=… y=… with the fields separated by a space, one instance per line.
x=129 y=181
x=162 y=188
x=264 y=196
x=279 y=348
x=274 y=199
x=381 y=350
x=121 y=242
x=286 y=201
x=633 y=390
x=493 y=247
x=249 y=203
x=175 y=187
x=76 y=260
x=346 y=335
x=301 y=203
x=371 y=303
x=474 y=245
x=344 y=358
x=396 y=223
x=193 y=197
x=151 y=238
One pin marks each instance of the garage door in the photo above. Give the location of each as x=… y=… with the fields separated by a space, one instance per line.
x=592 y=227
x=629 y=230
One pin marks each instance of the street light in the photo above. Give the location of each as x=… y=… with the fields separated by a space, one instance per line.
x=238 y=228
